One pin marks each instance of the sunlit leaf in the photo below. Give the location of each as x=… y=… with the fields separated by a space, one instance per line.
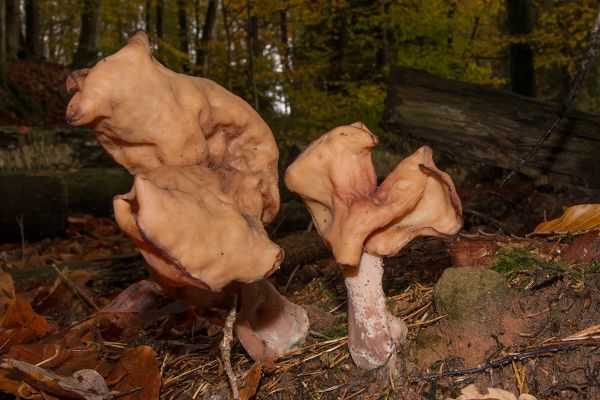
x=575 y=219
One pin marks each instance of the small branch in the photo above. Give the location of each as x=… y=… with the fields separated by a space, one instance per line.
x=505 y=360
x=83 y=298
x=578 y=82
x=225 y=347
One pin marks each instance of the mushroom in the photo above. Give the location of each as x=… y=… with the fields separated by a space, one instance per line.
x=197 y=241
x=205 y=167
x=362 y=223
x=146 y=116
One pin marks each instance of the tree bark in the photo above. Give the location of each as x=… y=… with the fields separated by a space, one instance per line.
x=148 y=17
x=227 y=27
x=250 y=43
x=520 y=23
x=475 y=125
x=160 y=20
x=87 y=50
x=13 y=28
x=207 y=32
x=2 y=43
x=182 y=33
x=32 y=31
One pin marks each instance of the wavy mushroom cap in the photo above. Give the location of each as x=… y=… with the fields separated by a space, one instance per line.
x=336 y=179
x=192 y=233
x=147 y=116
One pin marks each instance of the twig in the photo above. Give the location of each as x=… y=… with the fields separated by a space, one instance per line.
x=502 y=361
x=582 y=73
x=225 y=347
x=85 y=300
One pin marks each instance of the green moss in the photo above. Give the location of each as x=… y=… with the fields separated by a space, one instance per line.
x=337 y=331
x=515 y=260
x=325 y=290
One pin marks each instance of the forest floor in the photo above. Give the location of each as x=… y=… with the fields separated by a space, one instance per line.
x=539 y=333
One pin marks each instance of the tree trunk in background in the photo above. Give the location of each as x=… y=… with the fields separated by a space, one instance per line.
x=2 y=43
x=160 y=27
x=227 y=27
x=13 y=28
x=32 y=31
x=519 y=18
x=478 y=128
x=182 y=33
x=87 y=50
x=148 y=17
x=207 y=31
x=285 y=41
x=338 y=46
x=160 y=20
x=250 y=35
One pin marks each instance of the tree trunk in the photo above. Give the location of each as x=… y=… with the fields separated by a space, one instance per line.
x=2 y=43
x=32 y=31
x=13 y=28
x=250 y=35
x=182 y=33
x=227 y=27
x=207 y=32
x=471 y=124
x=148 y=17
x=160 y=20
x=339 y=44
x=87 y=50
x=519 y=19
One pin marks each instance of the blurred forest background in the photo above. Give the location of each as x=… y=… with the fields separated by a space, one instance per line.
x=306 y=66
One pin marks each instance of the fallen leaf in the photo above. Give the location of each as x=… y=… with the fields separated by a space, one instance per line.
x=7 y=290
x=20 y=324
x=575 y=219
x=248 y=390
x=86 y=383
x=138 y=367
x=140 y=305
x=585 y=250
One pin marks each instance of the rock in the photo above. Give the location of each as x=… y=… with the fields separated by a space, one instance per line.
x=468 y=293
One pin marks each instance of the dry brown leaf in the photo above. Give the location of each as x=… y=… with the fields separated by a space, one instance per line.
x=248 y=391
x=575 y=219
x=7 y=290
x=137 y=367
x=20 y=324
x=86 y=383
x=140 y=305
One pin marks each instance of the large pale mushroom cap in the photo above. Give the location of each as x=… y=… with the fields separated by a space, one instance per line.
x=336 y=179
x=192 y=233
x=147 y=116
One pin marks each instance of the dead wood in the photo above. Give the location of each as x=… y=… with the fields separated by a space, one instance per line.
x=121 y=271
x=475 y=125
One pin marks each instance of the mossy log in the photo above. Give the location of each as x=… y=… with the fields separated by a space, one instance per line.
x=474 y=124
x=40 y=149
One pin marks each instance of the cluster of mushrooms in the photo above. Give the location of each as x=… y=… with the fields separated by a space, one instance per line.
x=205 y=184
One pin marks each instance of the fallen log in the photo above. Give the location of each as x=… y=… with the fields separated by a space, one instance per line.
x=25 y=149
x=474 y=124
x=36 y=204
x=123 y=270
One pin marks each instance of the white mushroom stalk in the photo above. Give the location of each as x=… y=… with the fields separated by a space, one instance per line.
x=362 y=223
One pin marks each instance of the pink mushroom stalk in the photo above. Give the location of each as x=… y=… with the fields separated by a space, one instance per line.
x=362 y=223
x=205 y=167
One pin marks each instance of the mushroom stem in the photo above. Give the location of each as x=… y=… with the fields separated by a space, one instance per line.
x=370 y=340
x=268 y=324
